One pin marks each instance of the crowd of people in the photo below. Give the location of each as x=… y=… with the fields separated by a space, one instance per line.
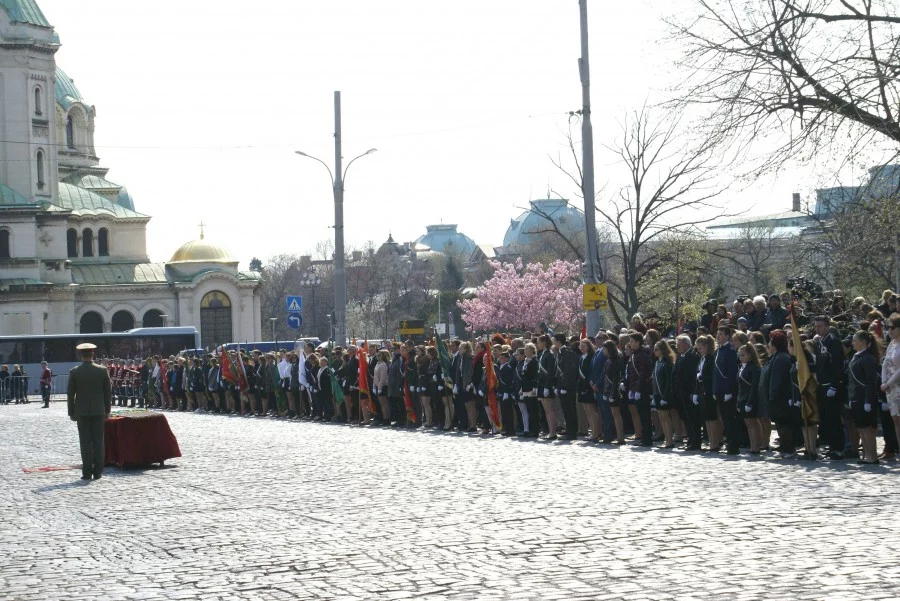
x=722 y=384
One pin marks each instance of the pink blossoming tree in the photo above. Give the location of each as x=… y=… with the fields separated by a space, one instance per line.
x=522 y=296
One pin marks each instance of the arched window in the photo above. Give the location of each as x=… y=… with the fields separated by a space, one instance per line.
x=91 y=323
x=4 y=244
x=215 y=319
x=70 y=132
x=37 y=101
x=87 y=243
x=72 y=242
x=153 y=319
x=40 y=169
x=122 y=320
x=103 y=243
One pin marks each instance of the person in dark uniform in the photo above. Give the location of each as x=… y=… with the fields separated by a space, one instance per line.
x=684 y=379
x=748 y=396
x=703 y=399
x=90 y=401
x=863 y=391
x=832 y=390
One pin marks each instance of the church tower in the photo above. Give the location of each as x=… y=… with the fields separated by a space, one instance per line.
x=28 y=133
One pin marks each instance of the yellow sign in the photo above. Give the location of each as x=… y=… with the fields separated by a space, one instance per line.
x=412 y=327
x=594 y=296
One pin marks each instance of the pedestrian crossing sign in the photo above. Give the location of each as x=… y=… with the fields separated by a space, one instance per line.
x=294 y=304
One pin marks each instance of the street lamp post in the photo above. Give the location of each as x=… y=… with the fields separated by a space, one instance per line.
x=338 y=176
x=312 y=281
x=272 y=321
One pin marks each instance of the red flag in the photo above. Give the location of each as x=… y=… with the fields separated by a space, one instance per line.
x=228 y=371
x=243 y=383
x=364 y=375
x=407 y=401
x=493 y=406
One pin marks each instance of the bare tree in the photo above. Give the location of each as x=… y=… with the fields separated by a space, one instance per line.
x=671 y=190
x=754 y=258
x=799 y=75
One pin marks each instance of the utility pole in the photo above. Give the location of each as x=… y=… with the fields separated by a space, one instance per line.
x=593 y=273
x=340 y=276
x=338 y=319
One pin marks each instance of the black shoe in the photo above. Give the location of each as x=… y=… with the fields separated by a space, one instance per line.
x=97 y=476
x=86 y=477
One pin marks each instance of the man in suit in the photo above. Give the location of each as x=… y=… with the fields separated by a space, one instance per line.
x=90 y=401
x=684 y=377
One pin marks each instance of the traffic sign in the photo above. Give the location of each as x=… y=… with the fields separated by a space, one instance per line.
x=294 y=321
x=294 y=304
x=594 y=297
x=412 y=327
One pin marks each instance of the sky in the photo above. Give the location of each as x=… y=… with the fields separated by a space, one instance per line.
x=201 y=104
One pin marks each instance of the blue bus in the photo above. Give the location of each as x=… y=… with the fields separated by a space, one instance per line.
x=59 y=350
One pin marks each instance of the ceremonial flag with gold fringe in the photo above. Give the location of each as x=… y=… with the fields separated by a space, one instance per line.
x=364 y=375
x=493 y=406
x=407 y=400
x=806 y=381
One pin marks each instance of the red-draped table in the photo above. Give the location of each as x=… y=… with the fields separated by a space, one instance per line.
x=139 y=438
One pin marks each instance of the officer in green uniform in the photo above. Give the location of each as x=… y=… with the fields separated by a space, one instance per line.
x=90 y=401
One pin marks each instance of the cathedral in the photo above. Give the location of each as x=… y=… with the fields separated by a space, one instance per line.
x=73 y=246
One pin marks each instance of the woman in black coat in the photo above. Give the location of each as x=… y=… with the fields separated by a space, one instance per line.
x=748 y=400
x=527 y=370
x=863 y=383
x=775 y=386
x=612 y=378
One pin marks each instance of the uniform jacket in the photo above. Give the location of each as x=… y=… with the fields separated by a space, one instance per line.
x=90 y=391
x=529 y=374
x=830 y=362
x=662 y=381
x=546 y=369
x=748 y=386
x=567 y=369
x=684 y=376
x=864 y=377
x=640 y=371
x=725 y=372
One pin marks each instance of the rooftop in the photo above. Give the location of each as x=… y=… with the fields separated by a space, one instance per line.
x=25 y=11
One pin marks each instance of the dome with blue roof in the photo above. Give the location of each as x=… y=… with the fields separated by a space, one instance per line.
x=66 y=92
x=24 y=11
x=445 y=238
x=528 y=227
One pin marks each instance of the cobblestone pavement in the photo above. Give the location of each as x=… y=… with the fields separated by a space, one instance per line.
x=265 y=509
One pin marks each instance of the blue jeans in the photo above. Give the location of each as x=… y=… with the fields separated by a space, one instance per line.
x=606 y=418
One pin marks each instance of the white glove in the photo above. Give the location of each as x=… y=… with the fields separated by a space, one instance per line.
x=455 y=389
x=831 y=392
x=699 y=377
x=695 y=399
x=867 y=407
x=505 y=396
x=480 y=393
x=630 y=395
x=547 y=393
x=470 y=388
x=435 y=377
x=728 y=397
x=748 y=409
x=653 y=403
x=663 y=402
x=622 y=386
x=796 y=403
x=440 y=387
x=884 y=406
x=562 y=391
x=637 y=396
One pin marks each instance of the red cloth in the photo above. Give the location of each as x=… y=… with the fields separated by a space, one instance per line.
x=134 y=441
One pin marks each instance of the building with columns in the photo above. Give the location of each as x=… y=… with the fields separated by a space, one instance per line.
x=73 y=247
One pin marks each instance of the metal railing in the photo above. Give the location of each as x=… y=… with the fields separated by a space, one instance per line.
x=24 y=388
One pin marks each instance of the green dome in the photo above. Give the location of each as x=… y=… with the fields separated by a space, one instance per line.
x=24 y=11
x=66 y=92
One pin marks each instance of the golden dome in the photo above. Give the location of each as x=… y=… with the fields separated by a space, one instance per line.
x=201 y=251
